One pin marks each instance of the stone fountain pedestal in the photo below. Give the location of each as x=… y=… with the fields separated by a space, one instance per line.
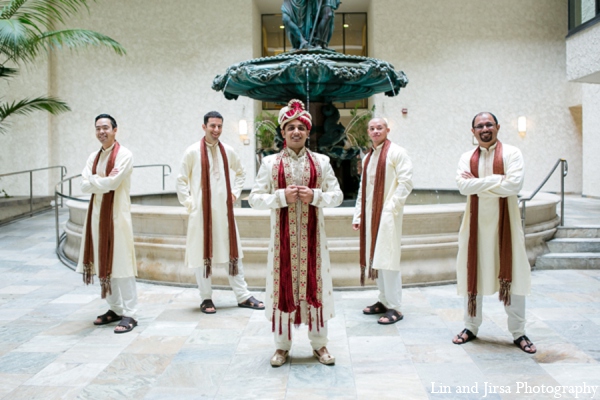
x=429 y=241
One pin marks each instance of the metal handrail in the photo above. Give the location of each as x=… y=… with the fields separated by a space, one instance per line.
x=564 y=172
x=164 y=175
x=62 y=196
x=63 y=172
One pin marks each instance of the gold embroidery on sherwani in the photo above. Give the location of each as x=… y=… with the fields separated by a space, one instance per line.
x=277 y=241
x=298 y=233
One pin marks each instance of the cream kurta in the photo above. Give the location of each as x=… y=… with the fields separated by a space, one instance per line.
x=124 y=263
x=265 y=197
x=398 y=185
x=189 y=192
x=489 y=188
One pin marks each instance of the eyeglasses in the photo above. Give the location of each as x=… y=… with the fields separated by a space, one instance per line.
x=481 y=126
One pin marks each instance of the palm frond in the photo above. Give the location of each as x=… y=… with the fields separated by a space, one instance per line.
x=43 y=13
x=27 y=106
x=78 y=38
x=9 y=9
x=6 y=72
x=16 y=40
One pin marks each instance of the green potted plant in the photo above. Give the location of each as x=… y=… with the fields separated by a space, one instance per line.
x=356 y=132
x=265 y=130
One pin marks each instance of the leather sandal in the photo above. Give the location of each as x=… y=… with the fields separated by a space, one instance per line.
x=279 y=359
x=528 y=344
x=325 y=358
x=108 y=317
x=377 y=308
x=392 y=316
x=127 y=322
x=251 y=302
x=208 y=304
x=470 y=336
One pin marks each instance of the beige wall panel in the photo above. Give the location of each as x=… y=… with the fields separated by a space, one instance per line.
x=461 y=56
x=591 y=140
x=24 y=145
x=158 y=92
x=583 y=55
x=466 y=56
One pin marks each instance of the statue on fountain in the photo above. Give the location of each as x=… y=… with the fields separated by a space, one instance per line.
x=309 y=23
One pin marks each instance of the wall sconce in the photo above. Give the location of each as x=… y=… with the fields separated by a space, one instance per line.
x=522 y=126
x=243 y=131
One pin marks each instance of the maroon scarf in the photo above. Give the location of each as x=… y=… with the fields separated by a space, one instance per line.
x=378 y=199
x=106 y=230
x=297 y=271
x=504 y=237
x=207 y=214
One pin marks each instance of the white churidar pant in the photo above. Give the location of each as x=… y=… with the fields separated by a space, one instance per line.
x=515 y=313
x=123 y=300
x=237 y=283
x=317 y=339
x=389 y=284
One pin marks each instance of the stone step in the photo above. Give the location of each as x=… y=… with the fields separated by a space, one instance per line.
x=18 y=206
x=568 y=261
x=575 y=232
x=574 y=245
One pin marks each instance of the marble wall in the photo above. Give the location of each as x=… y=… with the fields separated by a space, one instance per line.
x=461 y=57
x=158 y=92
x=583 y=55
x=466 y=56
x=583 y=65
x=25 y=144
x=591 y=140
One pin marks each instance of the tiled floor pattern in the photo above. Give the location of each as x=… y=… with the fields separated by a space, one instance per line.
x=49 y=348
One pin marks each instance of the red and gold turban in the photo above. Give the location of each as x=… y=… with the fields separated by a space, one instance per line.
x=295 y=110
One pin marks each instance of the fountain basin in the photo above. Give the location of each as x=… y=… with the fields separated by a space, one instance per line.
x=319 y=75
x=429 y=242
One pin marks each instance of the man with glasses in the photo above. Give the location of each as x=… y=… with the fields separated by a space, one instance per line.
x=491 y=245
x=107 y=241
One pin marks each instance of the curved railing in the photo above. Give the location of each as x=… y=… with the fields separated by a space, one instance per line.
x=63 y=173
x=564 y=171
x=166 y=171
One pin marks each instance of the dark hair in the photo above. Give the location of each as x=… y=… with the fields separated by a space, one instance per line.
x=481 y=113
x=112 y=120
x=212 y=114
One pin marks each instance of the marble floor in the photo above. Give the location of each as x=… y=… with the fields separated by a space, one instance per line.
x=49 y=348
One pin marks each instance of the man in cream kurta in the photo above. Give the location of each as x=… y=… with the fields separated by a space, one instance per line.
x=386 y=257
x=489 y=187
x=189 y=192
x=123 y=299
x=295 y=127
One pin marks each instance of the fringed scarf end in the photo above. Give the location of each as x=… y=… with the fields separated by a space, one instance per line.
x=233 y=266
x=372 y=271
x=105 y=286
x=362 y=274
x=280 y=325
x=298 y=318
x=504 y=292
x=472 y=307
x=88 y=273
x=207 y=267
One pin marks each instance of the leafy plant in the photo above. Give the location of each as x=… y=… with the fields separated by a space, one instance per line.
x=28 y=30
x=356 y=132
x=265 y=130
